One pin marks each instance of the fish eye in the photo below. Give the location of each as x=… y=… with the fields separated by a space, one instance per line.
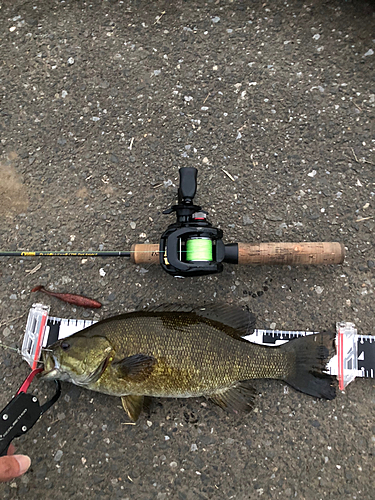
x=65 y=345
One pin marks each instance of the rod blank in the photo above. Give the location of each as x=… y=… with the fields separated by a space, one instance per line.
x=62 y=253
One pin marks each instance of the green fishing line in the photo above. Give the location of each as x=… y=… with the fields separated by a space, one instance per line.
x=199 y=249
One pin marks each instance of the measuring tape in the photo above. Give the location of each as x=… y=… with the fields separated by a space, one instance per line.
x=355 y=353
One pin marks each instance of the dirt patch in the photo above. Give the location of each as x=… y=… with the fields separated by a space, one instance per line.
x=82 y=194
x=13 y=196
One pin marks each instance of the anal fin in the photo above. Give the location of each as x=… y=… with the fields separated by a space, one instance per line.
x=239 y=397
x=133 y=406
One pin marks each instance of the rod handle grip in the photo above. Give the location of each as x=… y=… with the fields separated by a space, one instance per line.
x=291 y=253
x=145 y=253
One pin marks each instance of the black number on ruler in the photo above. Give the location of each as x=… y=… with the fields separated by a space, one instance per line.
x=366 y=357
x=54 y=329
x=270 y=338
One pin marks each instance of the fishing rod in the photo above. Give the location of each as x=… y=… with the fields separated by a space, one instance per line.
x=193 y=247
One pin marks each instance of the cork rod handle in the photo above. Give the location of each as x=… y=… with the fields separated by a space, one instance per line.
x=144 y=253
x=290 y=253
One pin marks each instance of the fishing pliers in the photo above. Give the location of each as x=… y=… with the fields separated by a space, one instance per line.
x=22 y=412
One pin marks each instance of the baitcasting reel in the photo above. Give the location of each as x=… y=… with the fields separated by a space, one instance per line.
x=192 y=246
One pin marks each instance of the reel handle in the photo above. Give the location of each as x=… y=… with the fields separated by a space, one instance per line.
x=291 y=253
x=262 y=253
x=188 y=185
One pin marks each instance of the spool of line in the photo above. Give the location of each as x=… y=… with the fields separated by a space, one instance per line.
x=199 y=249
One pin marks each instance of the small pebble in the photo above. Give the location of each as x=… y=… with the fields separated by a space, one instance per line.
x=71 y=60
x=133 y=225
x=6 y=332
x=247 y=220
x=58 y=455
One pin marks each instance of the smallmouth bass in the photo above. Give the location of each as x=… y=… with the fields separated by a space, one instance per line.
x=182 y=352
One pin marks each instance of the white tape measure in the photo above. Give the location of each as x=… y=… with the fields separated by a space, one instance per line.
x=355 y=353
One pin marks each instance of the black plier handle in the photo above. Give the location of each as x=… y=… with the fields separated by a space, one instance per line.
x=22 y=412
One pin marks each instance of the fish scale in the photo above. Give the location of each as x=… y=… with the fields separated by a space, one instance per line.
x=194 y=359
x=183 y=354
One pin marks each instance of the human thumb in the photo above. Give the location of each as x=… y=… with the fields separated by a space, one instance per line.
x=13 y=466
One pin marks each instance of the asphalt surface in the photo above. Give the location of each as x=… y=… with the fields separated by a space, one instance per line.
x=100 y=104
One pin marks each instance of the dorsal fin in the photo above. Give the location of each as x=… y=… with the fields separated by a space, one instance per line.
x=233 y=316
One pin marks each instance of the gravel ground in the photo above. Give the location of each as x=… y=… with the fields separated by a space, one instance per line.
x=101 y=103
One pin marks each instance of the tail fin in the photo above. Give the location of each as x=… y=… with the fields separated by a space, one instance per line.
x=311 y=356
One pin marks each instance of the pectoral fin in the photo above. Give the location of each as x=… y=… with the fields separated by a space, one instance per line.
x=239 y=397
x=137 y=368
x=133 y=406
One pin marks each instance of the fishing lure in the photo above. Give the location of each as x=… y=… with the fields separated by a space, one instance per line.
x=77 y=300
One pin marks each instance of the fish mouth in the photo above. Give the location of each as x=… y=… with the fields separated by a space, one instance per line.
x=51 y=367
x=52 y=374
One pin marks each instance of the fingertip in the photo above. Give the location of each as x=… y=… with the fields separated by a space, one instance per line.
x=24 y=462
